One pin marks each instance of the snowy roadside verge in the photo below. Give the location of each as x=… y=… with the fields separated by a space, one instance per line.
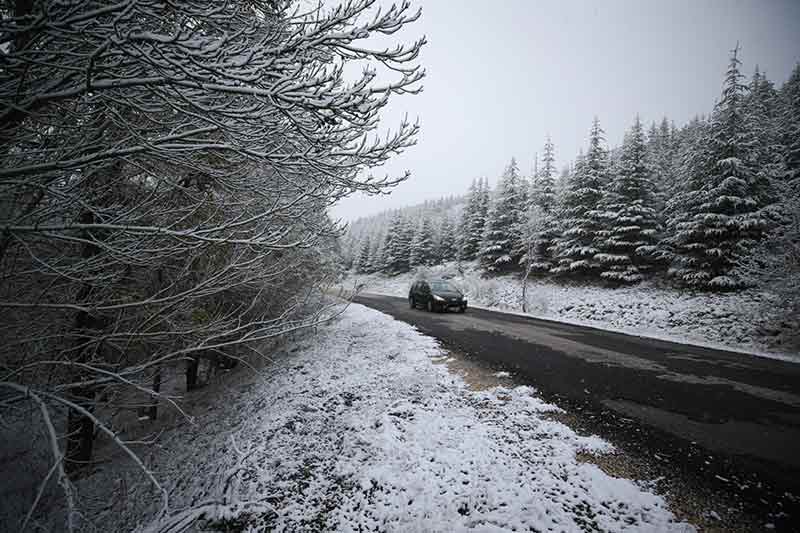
x=361 y=429
x=734 y=322
x=655 y=335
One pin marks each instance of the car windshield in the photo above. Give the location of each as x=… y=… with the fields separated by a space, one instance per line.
x=443 y=286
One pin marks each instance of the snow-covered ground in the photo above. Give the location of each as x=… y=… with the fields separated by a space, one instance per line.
x=362 y=427
x=735 y=321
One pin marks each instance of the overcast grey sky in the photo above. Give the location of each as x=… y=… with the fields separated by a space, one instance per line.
x=501 y=75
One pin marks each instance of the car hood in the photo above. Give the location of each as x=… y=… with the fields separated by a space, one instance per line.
x=448 y=294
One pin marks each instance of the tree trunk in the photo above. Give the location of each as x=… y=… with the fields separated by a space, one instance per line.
x=525 y=292
x=192 y=366
x=525 y=281
x=80 y=428
x=80 y=433
x=153 y=410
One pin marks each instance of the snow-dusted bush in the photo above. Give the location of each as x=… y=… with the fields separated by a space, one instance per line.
x=775 y=265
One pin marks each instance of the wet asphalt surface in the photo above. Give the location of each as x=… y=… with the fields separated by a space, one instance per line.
x=726 y=423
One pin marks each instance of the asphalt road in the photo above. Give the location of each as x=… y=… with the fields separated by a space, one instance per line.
x=721 y=408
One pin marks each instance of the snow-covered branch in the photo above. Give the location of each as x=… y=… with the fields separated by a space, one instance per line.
x=165 y=172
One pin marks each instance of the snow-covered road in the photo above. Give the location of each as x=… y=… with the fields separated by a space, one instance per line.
x=364 y=429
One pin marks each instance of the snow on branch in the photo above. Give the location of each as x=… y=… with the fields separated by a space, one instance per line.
x=165 y=174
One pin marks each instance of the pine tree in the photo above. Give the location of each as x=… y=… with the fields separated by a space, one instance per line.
x=575 y=248
x=661 y=158
x=397 y=246
x=500 y=246
x=761 y=115
x=719 y=217
x=363 y=264
x=542 y=205
x=482 y=213
x=789 y=126
x=532 y=184
x=470 y=239
x=423 y=248
x=629 y=218
x=350 y=250
x=447 y=246
x=376 y=259
x=653 y=139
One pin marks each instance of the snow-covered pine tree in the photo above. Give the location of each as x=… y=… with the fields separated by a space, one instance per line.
x=532 y=183
x=542 y=204
x=692 y=150
x=397 y=246
x=575 y=247
x=500 y=246
x=470 y=240
x=652 y=141
x=544 y=190
x=720 y=217
x=522 y=230
x=482 y=213
x=628 y=215
x=661 y=158
x=761 y=108
x=363 y=265
x=446 y=241
x=349 y=249
x=523 y=192
x=789 y=125
x=691 y=155
x=376 y=258
x=413 y=253
x=423 y=247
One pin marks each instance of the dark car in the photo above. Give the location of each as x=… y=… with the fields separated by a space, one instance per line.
x=436 y=295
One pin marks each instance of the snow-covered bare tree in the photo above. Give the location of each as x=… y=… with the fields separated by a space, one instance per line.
x=531 y=228
x=774 y=264
x=166 y=172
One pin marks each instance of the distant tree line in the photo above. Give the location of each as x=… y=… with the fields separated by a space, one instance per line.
x=688 y=204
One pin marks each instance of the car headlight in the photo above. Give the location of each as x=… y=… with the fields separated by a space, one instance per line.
x=438 y=298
